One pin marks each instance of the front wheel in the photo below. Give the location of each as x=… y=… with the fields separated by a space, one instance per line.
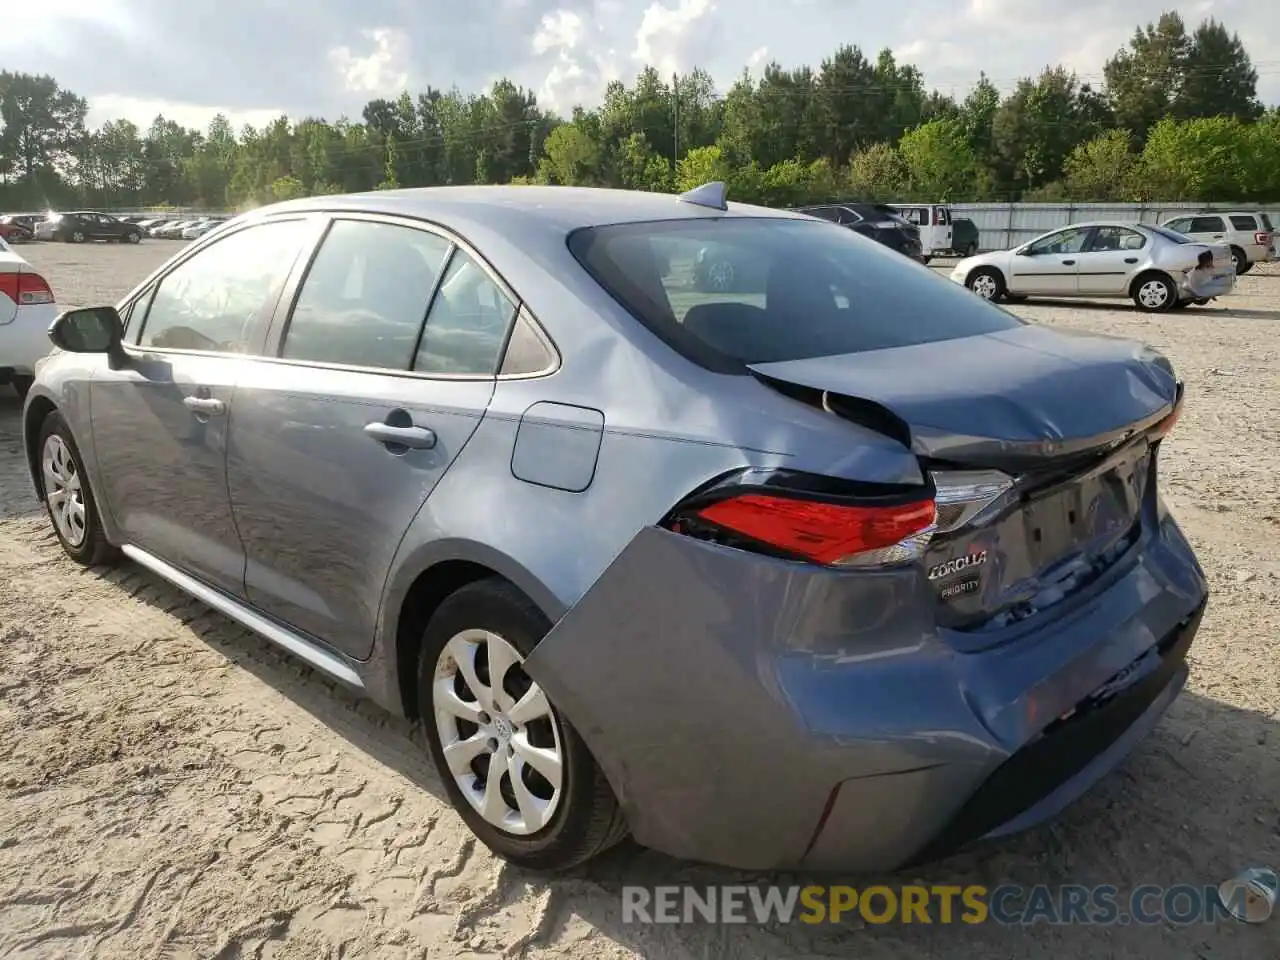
x=134 y=238
x=77 y=237
x=1155 y=294
x=986 y=282
x=516 y=771
x=68 y=498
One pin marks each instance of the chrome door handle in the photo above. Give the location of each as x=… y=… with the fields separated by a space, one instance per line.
x=205 y=406
x=415 y=438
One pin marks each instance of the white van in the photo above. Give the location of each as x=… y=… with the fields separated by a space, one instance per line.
x=934 y=223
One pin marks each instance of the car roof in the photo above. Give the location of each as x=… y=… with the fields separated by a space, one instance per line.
x=542 y=209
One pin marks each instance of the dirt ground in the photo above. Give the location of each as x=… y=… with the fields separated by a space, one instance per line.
x=171 y=787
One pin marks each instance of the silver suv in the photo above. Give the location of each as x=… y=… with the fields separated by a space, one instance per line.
x=1249 y=235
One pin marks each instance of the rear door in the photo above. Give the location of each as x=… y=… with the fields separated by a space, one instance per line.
x=339 y=438
x=1108 y=261
x=1050 y=266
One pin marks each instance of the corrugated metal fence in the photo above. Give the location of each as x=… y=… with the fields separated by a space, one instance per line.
x=1004 y=225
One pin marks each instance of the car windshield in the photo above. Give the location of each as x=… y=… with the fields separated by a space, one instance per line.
x=729 y=291
x=1168 y=234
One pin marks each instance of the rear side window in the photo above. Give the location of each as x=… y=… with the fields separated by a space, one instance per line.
x=744 y=290
x=1206 y=225
x=1244 y=222
x=365 y=296
x=468 y=322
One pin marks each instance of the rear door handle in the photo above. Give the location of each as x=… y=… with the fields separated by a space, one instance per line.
x=1068 y=263
x=1130 y=259
x=206 y=406
x=415 y=438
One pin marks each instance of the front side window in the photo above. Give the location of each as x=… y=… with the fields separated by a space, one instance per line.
x=365 y=295
x=758 y=290
x=467 y=324
x=216 y=300
x=1207 y=225
x=1071 y=240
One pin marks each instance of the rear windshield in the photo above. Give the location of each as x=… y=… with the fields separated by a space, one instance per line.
x=1168 y=234
x=730 y=291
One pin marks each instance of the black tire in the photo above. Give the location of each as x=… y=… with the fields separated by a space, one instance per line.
x=971 y=250
x=588 y=820
x=77 y=237
x=134 y=237
x=976 y=278
x=1152 y=306
x=21 y=384
x=1242 y=262
x=95 y=548
x=1201 y=302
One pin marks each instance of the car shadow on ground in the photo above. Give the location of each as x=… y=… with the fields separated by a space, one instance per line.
x=1216 y=311
x=1194 y=804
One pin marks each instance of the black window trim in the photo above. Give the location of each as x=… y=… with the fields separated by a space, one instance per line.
x=271 y=338
x=293 y=287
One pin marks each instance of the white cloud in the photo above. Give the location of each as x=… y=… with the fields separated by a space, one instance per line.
x=559 y=30
x=663 y=31
x=381 y=73
x=141 y=112
x=757 y=57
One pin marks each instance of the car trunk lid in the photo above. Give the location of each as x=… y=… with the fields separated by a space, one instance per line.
x=1039 y=442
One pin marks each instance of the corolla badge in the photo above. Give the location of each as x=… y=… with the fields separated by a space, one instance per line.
x=949 y=568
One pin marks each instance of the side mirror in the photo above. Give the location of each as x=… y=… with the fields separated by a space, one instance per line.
x=89 y=330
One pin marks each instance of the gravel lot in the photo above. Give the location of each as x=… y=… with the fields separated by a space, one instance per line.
x=172 y=787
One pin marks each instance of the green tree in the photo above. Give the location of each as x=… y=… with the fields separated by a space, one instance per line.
x=1101 y=169
x=877 y=173
x=940 y=163
x=571 y=157
x=1203 y=160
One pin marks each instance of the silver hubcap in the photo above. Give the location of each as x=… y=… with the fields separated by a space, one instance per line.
x=1153 y=293
x=720 y=275
x=63 y=492
x=984 y=286
x=1235 y=261
x=498 y=732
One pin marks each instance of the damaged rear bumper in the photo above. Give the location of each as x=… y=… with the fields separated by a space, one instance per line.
x=762 y=714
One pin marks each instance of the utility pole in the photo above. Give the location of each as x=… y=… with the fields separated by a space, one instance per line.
x=675 y=123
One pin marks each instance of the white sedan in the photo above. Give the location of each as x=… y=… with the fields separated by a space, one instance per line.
x=27 y=308
x=1151 y=265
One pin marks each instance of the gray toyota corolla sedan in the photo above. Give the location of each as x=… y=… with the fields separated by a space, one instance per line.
x=848 y=572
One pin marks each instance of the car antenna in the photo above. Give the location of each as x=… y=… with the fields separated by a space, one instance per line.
x=708 y=195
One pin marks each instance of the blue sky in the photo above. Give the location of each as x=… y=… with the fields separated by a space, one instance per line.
x=253 y=59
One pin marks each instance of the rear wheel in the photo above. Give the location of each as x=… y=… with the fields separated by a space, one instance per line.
x=720 y=276
x=77 y=237
x=971 y=250
x=67 y=496
x=986 y=282
x=1240 y=261
x=516 y=771
x=134 y=237
x=1154 y=293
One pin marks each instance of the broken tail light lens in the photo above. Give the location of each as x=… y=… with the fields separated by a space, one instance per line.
x=808 y=518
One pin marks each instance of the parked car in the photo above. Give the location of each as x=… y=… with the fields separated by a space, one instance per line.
x=27 y=308
x=629 y=551
x=964 y=237
x=878 y=221
x=172 y=230
x=1147 y=263
x=1249 y=235
x=936 y=227
x=200 y=228
x=13 y=229
x=81 y=226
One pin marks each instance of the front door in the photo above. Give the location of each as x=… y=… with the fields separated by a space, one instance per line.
x=160 y=421
x=1048 y=266
x=338 y=442
x=1109 y=260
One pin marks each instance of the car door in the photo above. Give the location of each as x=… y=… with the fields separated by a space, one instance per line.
x=1107 y=263
x=1048 y=266
x=338 y=441
x=112 y=229
x=160 y=420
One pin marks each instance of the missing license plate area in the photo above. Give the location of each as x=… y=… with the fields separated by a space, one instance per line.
x=1088 y=508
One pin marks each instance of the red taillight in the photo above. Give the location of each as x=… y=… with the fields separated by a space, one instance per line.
x=821 y=532
x=1262 y=239
x=25 y=289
